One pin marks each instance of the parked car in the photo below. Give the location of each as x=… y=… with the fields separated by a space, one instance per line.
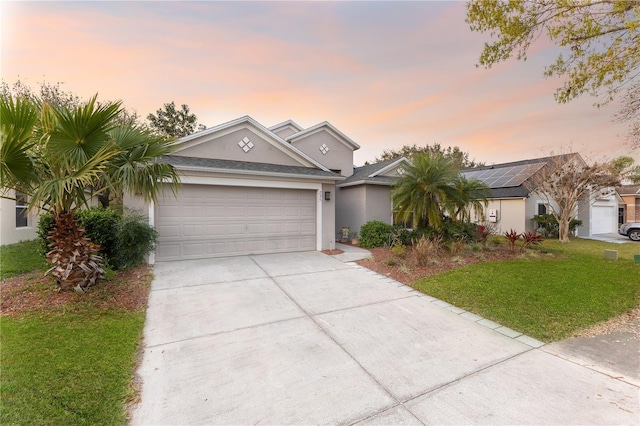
x=631 y=230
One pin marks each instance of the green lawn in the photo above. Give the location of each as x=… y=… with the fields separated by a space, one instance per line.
x=70 y=365
x=19 y=258
x=550 y=296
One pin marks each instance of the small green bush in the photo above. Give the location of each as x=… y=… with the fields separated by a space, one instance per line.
x=136 y=239
x=375 y=234
x=101 y=226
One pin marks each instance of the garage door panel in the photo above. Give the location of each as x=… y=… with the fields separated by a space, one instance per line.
x=602 y=220
x=214 y=221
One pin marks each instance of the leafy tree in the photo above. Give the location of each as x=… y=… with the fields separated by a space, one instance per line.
x=626 y=168
x=58 y=156
x=431 y=187
x=459 y=158
x=173 y=122
x=567 y=185
x=600 y=41
x=54 y=94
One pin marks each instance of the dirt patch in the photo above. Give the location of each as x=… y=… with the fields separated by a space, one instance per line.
x=333 y=252
x=34 y=293
x=628 y=322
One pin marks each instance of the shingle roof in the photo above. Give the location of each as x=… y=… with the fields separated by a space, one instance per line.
x=244 y=167
x=628 y=190
x=361 y=175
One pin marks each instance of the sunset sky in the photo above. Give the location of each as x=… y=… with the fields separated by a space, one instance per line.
x=386 y=74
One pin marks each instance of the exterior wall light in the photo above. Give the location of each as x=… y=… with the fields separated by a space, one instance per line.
x=327 y=195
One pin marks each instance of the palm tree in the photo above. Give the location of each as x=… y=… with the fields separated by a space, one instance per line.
x=61 y=156
x=433 y=187
x=473 y=196
x=427 y=190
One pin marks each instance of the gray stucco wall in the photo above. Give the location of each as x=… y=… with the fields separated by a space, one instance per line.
x=339 y=157
x=350 y=208
x=226 y=147
x=357 y=205
x=379 y=206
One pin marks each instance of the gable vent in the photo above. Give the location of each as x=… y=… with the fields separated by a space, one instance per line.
x=324 y=149
x=245 y=144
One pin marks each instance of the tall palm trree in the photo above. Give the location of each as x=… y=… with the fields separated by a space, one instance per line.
x=59 y=157
x=432 y=187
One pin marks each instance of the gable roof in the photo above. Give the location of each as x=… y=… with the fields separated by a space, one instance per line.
x=247 y=168
x=287 y=123
x=628 y=190
x=371 y=174
x=328 y=127
x=509 y=180
x=200 y=137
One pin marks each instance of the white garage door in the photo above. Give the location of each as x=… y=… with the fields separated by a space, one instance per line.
x=603 y=220
x=212 y=221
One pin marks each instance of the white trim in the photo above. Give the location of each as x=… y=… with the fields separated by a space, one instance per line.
x=363 y=182
x=152 y=222
x=256 y=173
x=389 y=167
x=222 y=181
x=325 y=125
x=287 y=123
x=259 y=129
x=319 y=201
x=253 y=183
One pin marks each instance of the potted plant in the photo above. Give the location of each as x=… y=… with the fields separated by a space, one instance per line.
x=355 y=240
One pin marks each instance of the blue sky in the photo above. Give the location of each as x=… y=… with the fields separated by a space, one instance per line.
x=385 y=73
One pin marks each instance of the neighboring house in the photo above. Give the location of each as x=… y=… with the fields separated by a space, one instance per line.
x=629 y=210
x=366 y=194
x=512 y=203
x=15 y=224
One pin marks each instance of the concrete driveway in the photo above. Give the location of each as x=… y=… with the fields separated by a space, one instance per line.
x=303 y=338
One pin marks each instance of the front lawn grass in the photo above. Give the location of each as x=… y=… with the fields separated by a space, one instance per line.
x=546 y=296
x=19 y=258
x=67 y=359
x=68 y=369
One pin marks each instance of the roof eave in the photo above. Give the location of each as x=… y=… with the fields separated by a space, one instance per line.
x=256 y=173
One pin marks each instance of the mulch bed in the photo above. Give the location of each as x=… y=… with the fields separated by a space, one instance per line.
x=33 y=292
x=406 y=268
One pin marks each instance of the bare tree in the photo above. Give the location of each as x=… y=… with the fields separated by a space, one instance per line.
x=567 y=185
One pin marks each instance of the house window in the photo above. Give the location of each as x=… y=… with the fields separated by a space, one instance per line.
x=404 y=224
x=620 y=215
x=542 y=209
x=21 y=210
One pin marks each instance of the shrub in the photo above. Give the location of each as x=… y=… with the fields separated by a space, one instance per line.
x=136 y=239
x=45 y=223
x=101 y=226
x=375 y=234
x=512 y=236
x=124 y=242
x=531 y=238
x=398 y=249
x=548 y=224
x=390 y=262
x=456 y=248
x=426 y=248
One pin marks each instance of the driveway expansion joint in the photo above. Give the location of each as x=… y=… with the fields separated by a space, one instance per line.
x=470 y=316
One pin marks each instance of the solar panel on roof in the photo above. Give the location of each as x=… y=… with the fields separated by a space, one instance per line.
x=504 y=177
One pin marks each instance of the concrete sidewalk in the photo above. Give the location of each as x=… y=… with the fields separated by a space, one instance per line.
x=304 y=338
